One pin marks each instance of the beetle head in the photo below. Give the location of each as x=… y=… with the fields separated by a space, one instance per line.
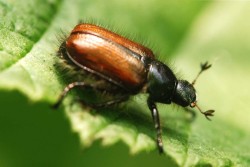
x=185 y=94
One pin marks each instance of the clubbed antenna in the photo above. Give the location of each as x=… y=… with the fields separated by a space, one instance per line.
x=204 y=67
x=207 y=113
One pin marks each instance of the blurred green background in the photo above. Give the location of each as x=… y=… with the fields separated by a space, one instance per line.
x=181 y=33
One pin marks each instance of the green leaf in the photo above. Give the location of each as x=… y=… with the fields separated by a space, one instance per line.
x=187 y=32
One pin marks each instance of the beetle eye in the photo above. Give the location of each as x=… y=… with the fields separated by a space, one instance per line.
x=193 y=104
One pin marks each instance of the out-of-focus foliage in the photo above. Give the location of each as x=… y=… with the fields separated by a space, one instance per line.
x=185 y=32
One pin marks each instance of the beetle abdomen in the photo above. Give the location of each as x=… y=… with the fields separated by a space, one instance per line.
x=108 y=59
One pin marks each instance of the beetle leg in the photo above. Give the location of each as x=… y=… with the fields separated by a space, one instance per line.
x=155 y=115
x=68 y=88
x=108 y=103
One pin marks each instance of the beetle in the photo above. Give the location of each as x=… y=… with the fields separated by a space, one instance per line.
x=128 y=68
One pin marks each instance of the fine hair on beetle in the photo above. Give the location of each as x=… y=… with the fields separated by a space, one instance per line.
x=112 y=65
x=69 y=72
